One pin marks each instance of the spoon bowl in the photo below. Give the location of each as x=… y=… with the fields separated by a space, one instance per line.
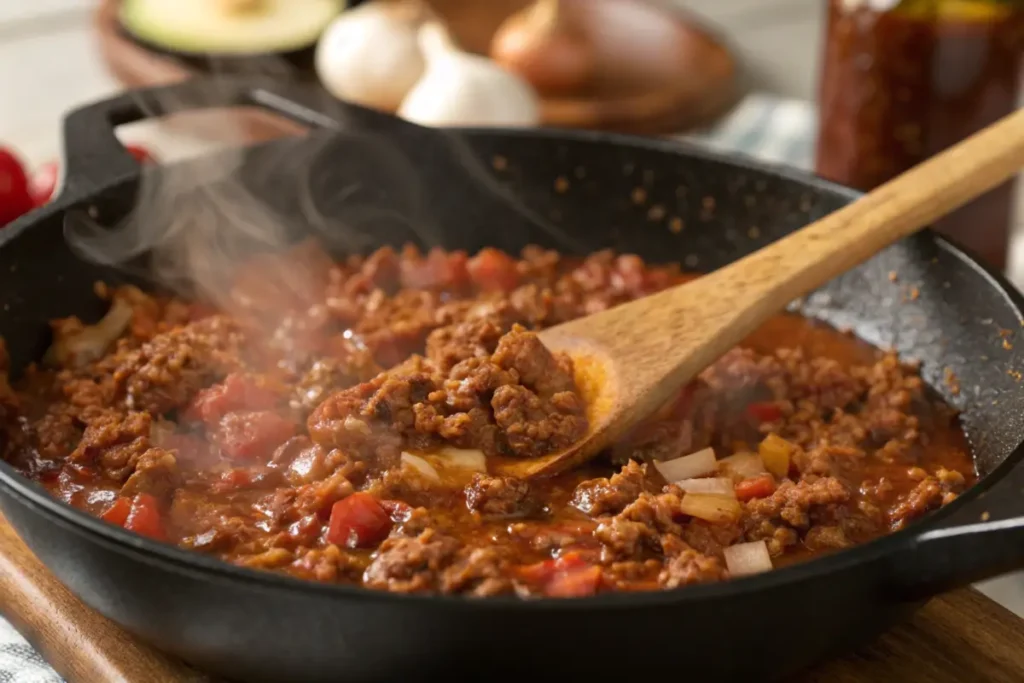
x=632 y=358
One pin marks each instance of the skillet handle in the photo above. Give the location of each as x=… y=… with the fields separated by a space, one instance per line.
x=93 y=156
x=943 y=559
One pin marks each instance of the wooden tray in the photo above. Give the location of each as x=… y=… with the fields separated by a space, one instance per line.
x=958 y=638
x=706 y=87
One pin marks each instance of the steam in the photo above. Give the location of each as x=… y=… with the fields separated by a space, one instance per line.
x=195 y=222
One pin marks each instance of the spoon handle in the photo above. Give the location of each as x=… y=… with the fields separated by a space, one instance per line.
x=767 y=280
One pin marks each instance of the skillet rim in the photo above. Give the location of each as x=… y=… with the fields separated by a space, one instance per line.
x=198 y=566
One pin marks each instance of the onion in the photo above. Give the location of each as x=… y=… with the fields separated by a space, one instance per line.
x=463 y=458
x=688 y=466
x=711 y=507
x=742 y=465
x=714 y=485
x=420 y=465
x=744 y=559
x=76 y=345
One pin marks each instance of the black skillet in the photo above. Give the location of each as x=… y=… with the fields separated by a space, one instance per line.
x=584 y=191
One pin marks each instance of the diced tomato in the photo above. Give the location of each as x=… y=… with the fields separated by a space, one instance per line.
x=231 y=480
x=140 y=514
x=15 y=195
x=144 y=518
x=141 y=154
x=358 y=521
x=764 y=412
x=574 y=583
x=493 y=270
x=237 y=392
x=567 y=576
x=757 y=487
x=118 y=512
x=252 y=435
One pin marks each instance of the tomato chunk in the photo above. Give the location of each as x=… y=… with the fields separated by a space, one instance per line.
x=140 y=514
x=235 y=393
x=574 y=583
x=438 y=270
x=757 y=487
x=764 y=412
x=493 y=270
x=118 y=512
x=567 y=576
x=358 y=521
x=144 y=518
x=252 y=435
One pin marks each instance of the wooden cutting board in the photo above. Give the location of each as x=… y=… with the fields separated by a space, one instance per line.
x=958 y=638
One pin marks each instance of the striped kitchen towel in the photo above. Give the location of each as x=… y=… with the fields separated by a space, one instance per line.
x=761 y=126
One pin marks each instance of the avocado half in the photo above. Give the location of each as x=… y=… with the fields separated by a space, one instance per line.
x=228 y=27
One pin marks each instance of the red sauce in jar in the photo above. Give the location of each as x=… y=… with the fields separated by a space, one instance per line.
x=901 y=84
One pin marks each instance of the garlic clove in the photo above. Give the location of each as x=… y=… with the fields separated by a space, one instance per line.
x=462 y=89
x=370 y=55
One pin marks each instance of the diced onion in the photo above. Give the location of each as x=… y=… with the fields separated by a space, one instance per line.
x=687 y=467
x=743 y=559
x=463 y=458
x=420 y=465
x=775 y=453
x=354 y=424
x=711 y=507
x=742 y=465
x=715 y=485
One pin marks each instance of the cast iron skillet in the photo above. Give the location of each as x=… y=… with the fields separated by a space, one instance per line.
x=587 y=191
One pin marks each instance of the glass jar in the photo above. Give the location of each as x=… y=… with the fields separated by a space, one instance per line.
x=903 y=79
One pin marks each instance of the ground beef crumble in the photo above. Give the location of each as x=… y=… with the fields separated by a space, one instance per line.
x=276 y=431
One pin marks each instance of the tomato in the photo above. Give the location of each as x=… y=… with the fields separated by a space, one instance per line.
x=358 y=521
x=144 y=519
x=764 y=412
x=252 y=435
x=235 y=393
x=761 y=486
x=231 y=480
x=493 y=270
x=44 y=182
x=567 y=576
x=141 y=154
x=140 y=514
x=15 y=197
x=118 y=512
x=574 y=583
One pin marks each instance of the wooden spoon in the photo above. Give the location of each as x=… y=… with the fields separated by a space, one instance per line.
x=631 y=359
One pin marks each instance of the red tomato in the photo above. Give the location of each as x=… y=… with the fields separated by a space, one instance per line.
x=252 y=435
x=236 y=392
x=118 y=512
x=231 y=480
x=44 y=182
x=140 y=514
x=358 y=522
x=764 y=412
x=757 y=487
x=568 y=576
x=493 y=270
x=144 y=518
x=141 y=154
x=574 y=583
x=15 y=198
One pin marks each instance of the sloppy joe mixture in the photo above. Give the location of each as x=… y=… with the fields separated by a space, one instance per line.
x=347 y=430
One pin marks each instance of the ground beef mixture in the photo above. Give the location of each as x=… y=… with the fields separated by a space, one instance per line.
x=342 y=426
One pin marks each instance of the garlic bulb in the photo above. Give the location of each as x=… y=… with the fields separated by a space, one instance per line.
x=370 y=55
x=462 y=89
